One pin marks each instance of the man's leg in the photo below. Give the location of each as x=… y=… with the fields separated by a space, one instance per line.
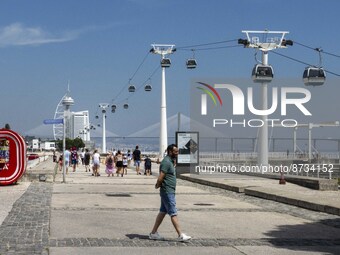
x=158 y=222
x=175 y=222
x=138 y=167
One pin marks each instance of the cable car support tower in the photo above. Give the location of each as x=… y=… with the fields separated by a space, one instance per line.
x=163 y=50
x=264 y=74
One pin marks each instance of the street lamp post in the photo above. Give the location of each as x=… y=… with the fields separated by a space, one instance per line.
x=163 y=50
x=104 y=106
x=66 y=102
x=310 y=126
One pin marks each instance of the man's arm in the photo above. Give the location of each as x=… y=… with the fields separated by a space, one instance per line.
x=160 y=179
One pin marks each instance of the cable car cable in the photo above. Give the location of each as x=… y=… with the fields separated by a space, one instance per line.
x=301 y=62
x=138 y=87
x=152 y=74
x=140 y=65
x=205 y=44
x=213 y=48
x=311 y=48
x=181 y=48
x=134 y=74
x=331 y=54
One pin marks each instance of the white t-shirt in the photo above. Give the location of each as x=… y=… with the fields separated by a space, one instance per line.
x=67 y=155
x=96 y=158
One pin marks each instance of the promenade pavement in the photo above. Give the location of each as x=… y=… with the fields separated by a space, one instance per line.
x=114 y=215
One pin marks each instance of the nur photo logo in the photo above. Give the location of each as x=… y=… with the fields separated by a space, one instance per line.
x=280 y=98
x=211 y=91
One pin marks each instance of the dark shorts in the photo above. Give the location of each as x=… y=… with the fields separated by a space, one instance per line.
x=74 y=161
x=168 y=204
x=119 y=164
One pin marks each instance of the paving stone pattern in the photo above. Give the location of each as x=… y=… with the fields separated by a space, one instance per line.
x=267 y=206
x=25 y=230
x=143 y=241
x=272 y=206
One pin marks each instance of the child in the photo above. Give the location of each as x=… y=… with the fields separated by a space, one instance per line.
x=125 y=164
x=129 y=157
x=60 y=161
x=147 y=166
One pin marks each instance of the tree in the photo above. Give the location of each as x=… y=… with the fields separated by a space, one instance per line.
x=77 y=142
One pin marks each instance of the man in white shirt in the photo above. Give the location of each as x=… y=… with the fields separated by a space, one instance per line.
x=67 y=156
x=96 y=163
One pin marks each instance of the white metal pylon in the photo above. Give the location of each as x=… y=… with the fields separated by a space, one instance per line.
x=264 y=41
x=163 y=50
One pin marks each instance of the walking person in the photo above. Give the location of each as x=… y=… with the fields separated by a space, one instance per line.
x=129 y=157
x=136 y=158
x=119 y=163
x=125 y=164
x=167 y=183
x=67 y=156
x=87 y=158
x=82 y=157
x=147 y=166
x=74 y=158
x=60 y=162
x=109 y=163
x=96 y=163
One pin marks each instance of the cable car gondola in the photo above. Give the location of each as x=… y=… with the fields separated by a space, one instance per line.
x=165 y=62
x=132 y=88
x=113 y=108
x=126 y=106
x=262 y=73
x=147 y=87
x=314 y=76
x=191 y=63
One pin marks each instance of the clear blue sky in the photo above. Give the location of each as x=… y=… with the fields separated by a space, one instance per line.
x=98 y=46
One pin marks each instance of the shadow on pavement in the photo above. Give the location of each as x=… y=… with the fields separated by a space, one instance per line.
x=137 y=236
x=146 y=237
x=321 y=236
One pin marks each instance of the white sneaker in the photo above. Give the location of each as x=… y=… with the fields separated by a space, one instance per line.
x=155 y=236
x=184 y=238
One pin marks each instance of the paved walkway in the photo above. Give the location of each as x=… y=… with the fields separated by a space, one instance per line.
x=101 y=215
x=323 y=201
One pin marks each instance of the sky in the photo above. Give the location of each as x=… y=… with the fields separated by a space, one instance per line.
x=97 y=47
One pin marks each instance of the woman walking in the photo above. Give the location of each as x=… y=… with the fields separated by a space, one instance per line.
x=109 y=162
x=119 y=163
